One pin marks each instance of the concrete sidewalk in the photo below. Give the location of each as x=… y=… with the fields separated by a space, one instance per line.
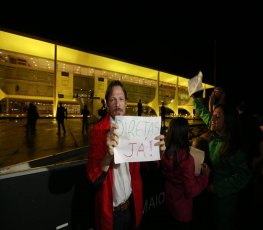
x=17 y=146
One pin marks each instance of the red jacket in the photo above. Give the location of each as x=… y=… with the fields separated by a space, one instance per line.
x=181 y=185
x=103 y=197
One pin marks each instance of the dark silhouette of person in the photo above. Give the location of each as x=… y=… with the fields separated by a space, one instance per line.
x=103 y=110
x=251 y=130
x=32 y=116
x=252 y=138
x=61 y=115
x=140 y=107
x=85 y=113
x=163 y=112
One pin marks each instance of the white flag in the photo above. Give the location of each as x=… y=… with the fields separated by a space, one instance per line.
x=195 y=84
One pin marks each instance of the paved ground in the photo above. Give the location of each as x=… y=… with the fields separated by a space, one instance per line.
x=20 y=149
x=17 y=146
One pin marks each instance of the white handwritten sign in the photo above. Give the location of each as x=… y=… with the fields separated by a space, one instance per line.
x=137 y=139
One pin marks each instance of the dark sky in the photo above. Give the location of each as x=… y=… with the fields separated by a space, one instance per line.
x=225 y=45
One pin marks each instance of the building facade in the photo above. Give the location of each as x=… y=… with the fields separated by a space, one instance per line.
x=33 y=70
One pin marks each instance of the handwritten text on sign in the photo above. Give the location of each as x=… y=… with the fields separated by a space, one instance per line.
x=137 y=139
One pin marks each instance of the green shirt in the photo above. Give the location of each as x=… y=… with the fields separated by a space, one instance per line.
x=230 y=176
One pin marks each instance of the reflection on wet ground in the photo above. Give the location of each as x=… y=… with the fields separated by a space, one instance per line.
x=17 y=145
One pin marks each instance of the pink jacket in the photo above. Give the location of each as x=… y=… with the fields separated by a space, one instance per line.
x=103 y=197
x=181 y=185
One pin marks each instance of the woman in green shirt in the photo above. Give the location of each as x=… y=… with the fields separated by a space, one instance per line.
x=229 y=169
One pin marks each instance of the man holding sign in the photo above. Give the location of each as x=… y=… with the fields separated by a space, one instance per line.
x=115 y=168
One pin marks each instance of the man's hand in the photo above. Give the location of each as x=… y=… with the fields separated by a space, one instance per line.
x=111 y=142
x=112 y=138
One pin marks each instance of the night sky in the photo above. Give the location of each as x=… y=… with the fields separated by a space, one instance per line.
x=225 y=45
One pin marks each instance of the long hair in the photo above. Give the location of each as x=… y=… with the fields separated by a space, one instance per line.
x=233 y=137
x=110 y=87
x=177 y=138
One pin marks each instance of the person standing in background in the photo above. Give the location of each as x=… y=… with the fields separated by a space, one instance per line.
x=253 y=137
x=140 y=107
x=252 y=132
x=32 y=116
x=178 y=169
x=119 y=197
x=61 y=115
x=102 y=112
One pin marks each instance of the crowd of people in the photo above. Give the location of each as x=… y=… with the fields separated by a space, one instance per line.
x=224 y=195
x=225 y=174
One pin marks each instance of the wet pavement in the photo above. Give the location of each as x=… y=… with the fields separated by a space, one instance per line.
x=20 y=150
x=18 y=146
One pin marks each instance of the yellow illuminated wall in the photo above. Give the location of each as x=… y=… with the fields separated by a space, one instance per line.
x=34 y=47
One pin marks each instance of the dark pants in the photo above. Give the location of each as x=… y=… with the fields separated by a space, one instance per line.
x=84 y=125
x=124 y=220
x=31 y=125
x=61 y=123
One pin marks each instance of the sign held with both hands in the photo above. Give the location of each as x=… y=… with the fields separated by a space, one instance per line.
x=137 y=139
